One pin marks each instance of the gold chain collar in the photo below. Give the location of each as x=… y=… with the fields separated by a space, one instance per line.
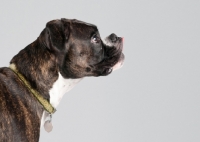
x=47 y=106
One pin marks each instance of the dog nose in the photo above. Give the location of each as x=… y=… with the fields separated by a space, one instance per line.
x=113 y=37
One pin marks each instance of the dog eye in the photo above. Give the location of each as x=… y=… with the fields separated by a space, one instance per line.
x=95 y=39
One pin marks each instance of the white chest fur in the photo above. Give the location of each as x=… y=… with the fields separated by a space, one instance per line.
x=60 y=87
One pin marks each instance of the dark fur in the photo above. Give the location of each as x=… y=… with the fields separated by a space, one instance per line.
x=63 y=46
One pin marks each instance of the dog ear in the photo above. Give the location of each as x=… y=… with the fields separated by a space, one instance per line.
x=56 y=34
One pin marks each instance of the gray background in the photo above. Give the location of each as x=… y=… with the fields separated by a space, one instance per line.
x=153 y=98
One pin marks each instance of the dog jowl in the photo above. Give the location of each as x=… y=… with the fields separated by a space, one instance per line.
x=40 y=74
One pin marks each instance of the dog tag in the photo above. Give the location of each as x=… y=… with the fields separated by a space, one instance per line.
x=48 y=126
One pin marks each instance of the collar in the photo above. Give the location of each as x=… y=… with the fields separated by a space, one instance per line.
x=45 y=103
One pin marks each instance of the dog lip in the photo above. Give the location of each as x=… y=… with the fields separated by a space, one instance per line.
x=106 y=71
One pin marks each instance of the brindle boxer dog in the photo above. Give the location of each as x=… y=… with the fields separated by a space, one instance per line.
x=64 y=53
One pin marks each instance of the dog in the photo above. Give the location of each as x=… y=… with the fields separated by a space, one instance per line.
x=65 y=52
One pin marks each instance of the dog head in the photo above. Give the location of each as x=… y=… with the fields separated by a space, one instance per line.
x=79 y=50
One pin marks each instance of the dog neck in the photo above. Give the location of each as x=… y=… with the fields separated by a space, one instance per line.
x=60 y=87
x=38 y=66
